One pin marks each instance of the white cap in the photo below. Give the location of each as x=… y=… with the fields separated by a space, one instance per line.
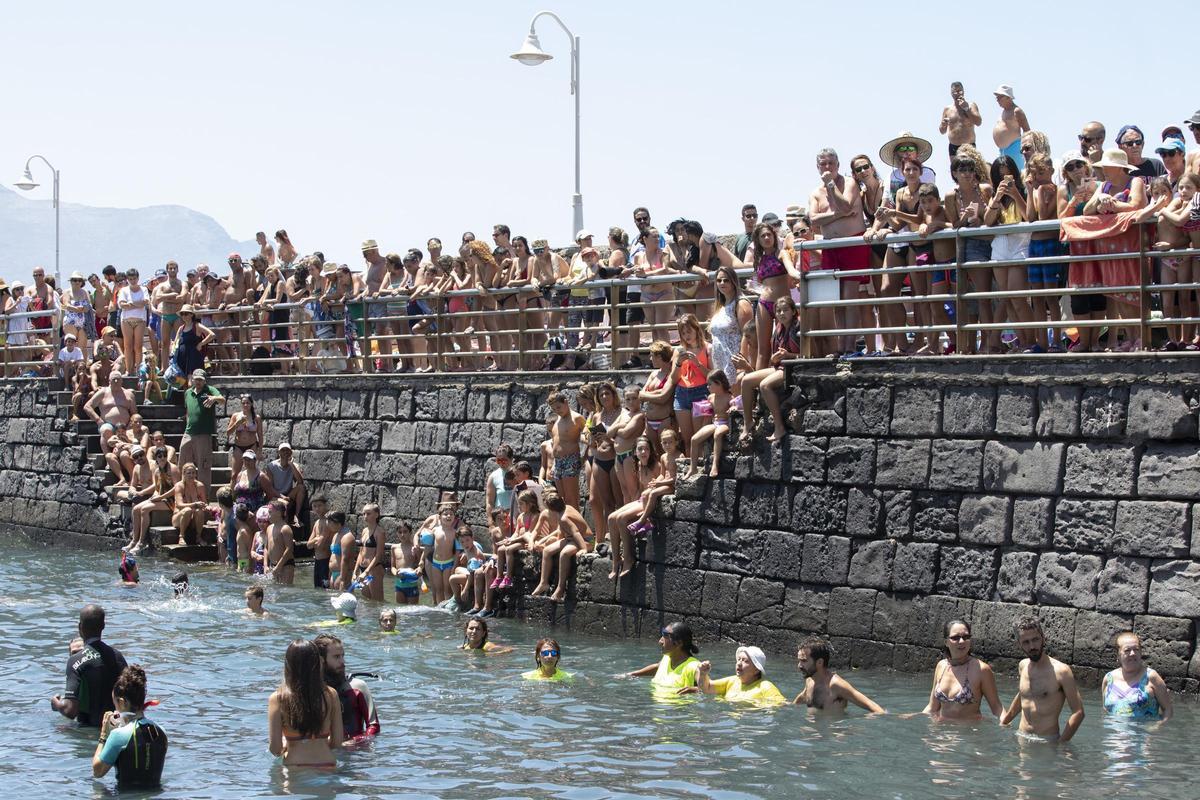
x=1005 y=90
x=345 y=604
x=583 y=234
x=757 y=657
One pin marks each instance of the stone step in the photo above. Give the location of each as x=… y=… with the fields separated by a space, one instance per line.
x=220 y=460
x=220 y=477
x=149 y=412
x=169 y=427
x=190 y=553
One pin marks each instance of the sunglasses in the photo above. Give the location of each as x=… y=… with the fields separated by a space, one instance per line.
x=1194 y=126
x=1083 y=138
x=666 y=635
x=861 y=168
x=749 y=216
x=906 y=148
x=1074 y=165
x=962 y=637
x=801 y=232
x=1132 y=143
x=641 y=219
x=549 y=654
x=1027 y=149
x=539 y=250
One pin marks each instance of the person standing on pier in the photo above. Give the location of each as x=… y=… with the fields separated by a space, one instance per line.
x=200 y=401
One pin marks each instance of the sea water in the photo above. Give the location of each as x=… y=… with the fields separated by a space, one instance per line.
x=464 y=725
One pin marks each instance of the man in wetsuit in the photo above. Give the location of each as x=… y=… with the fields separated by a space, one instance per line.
x=359 y=718
x=92 y=671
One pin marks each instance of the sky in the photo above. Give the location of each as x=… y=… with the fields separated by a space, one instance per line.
x=402 y=120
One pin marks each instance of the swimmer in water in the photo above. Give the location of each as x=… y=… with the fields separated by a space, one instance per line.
x=546 y=655
x=825 y=690
x=254 y=601
x=1045 y=686
x=678 y=669
x=180 y=584
x=387 y=620
x=475 y=637
x=128 y=570
x=746 y=685
x=1133 y=689
x=346 y=606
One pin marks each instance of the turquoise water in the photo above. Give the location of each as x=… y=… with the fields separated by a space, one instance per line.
x=459 y=725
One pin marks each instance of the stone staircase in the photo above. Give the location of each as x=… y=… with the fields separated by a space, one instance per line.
x=162 y=536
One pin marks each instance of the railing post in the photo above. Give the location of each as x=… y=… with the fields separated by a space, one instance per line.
x=961 y=345
x=614 y=297
x=368 y=359
x=521 y=363
x=6 y=348
x=1143 y=289
x=439 y=321
x=806 y=342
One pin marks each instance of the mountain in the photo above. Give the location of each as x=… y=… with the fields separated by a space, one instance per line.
x=145 y=238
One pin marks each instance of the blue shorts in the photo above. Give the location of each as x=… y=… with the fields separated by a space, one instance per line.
x=408 y=583
x=685 y=397
x=1045 y=273
x=418 y=308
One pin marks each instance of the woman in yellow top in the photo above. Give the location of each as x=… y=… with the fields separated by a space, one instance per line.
x=747 y=685
x=546 y=655
x=678 y=669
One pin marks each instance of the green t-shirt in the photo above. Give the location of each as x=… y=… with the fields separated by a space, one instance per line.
x=200 y=419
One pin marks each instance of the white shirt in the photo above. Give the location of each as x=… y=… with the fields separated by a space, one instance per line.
x=127 y=296
x=68 y=356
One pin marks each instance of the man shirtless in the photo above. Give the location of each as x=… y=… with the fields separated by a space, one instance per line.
x=835 y=212
x=1045 y=685
x=320 y=541
x=959 y=119
x=265 y=248
x=110 y=406
x=166 y=300
x=280 y=545
x=373 y=277
x=103 y=366
x=1006 y=133
x=826 y=691
x=564 y=439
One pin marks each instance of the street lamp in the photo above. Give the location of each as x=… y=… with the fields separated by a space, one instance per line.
x=531 y=54
x=25 y=184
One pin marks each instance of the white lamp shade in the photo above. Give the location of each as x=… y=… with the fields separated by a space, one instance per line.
x=27 y=182
x=531 y=53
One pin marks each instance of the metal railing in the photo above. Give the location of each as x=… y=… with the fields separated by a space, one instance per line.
x=964 y=331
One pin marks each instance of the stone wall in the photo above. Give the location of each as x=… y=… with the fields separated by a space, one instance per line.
x=46 y=484
x=912 y=491
x=917 y=491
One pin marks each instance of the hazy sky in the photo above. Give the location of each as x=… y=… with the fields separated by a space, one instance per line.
x=402 y=120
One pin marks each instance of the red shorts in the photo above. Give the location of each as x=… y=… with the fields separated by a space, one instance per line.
x=840 y=258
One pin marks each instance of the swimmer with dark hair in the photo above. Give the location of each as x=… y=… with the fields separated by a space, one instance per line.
x=128 y=570
x=180 y=584
x=546 y=655
x=254 y=601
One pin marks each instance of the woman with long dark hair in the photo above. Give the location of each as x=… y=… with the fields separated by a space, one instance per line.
x=244 y=432
x=775 y=273
x=1009 y=206
x=678 y=669
x=961 y=682
x=786 y=343
x=304 y=716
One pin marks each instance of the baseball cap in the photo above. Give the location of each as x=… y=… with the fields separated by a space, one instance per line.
x=583 y=234
x=1171 y=145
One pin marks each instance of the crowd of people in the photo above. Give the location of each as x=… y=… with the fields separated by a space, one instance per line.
x=518 y=304
x=319 y=706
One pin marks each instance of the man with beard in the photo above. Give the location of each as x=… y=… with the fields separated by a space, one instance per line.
x=825 y=690
x=1045 y=685
x=359 y=719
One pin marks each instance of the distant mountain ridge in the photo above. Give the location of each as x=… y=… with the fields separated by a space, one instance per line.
x=145 y=238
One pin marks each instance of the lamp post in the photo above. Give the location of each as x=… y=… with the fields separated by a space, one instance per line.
x=531 y=54
x=25 y=184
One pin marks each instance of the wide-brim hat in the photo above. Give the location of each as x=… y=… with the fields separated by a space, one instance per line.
x=369 y=244
x=1193 y=120
x=1115 y=158
x=77 y=276
x=887 y=153
x=329 y=268
x=188 y=308
x=449 y=499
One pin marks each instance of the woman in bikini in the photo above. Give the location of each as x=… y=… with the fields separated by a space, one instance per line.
x=625 y=433
x=961 y=682
x=659 y=393
x=75 y=304
x=785 y=344
x=649 y=263
x=620 y=522
x=606 y=483
x=304 y=716
x=166 y=475
x=245 y=432
x=189 y=506
x=372 y=543
x=775 y=273
x=529 y=303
